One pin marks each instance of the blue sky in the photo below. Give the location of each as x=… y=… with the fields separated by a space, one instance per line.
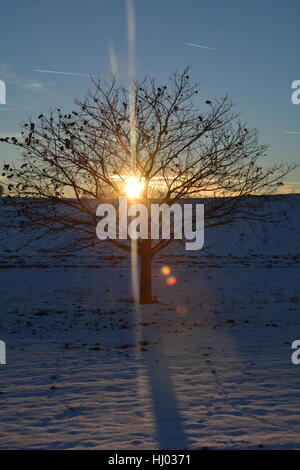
x=256 y=56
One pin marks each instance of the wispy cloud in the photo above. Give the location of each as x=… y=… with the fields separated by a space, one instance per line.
x=34 y=86
x=62 y=73
x=7 y=72
x=290 y=187
x=22 y=81
x=199 y=45
x=3 y=135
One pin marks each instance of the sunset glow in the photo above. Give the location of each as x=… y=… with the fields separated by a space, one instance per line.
x=133 y=187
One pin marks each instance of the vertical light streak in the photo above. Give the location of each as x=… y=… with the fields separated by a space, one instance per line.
x=132 y=111
x=132 y=88
x=112 y=59
x=134 y=271
x=134 y=252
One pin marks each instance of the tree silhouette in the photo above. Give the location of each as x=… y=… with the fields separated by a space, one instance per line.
x=180 y=145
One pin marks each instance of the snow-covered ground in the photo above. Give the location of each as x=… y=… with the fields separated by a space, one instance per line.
x=208 y=366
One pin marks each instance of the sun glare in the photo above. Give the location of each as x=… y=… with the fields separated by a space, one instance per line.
x=133 y=187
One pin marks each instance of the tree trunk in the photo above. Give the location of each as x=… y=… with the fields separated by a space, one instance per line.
x=146 y=273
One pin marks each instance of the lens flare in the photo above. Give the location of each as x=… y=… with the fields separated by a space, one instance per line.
x=171 y=281
x=133 y=187
x=181 y=310
x=165 y=270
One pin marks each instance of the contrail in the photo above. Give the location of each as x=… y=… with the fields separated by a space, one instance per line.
x=62 y=73
x=290 y=132
x=198 y=45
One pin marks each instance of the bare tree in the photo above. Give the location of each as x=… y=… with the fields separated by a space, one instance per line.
x=178 y=144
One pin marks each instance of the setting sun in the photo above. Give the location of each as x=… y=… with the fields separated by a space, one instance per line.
x=133 y=187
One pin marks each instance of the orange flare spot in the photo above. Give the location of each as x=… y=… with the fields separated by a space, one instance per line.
x=181 y=310
x=165 y=270
x=171 y=281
